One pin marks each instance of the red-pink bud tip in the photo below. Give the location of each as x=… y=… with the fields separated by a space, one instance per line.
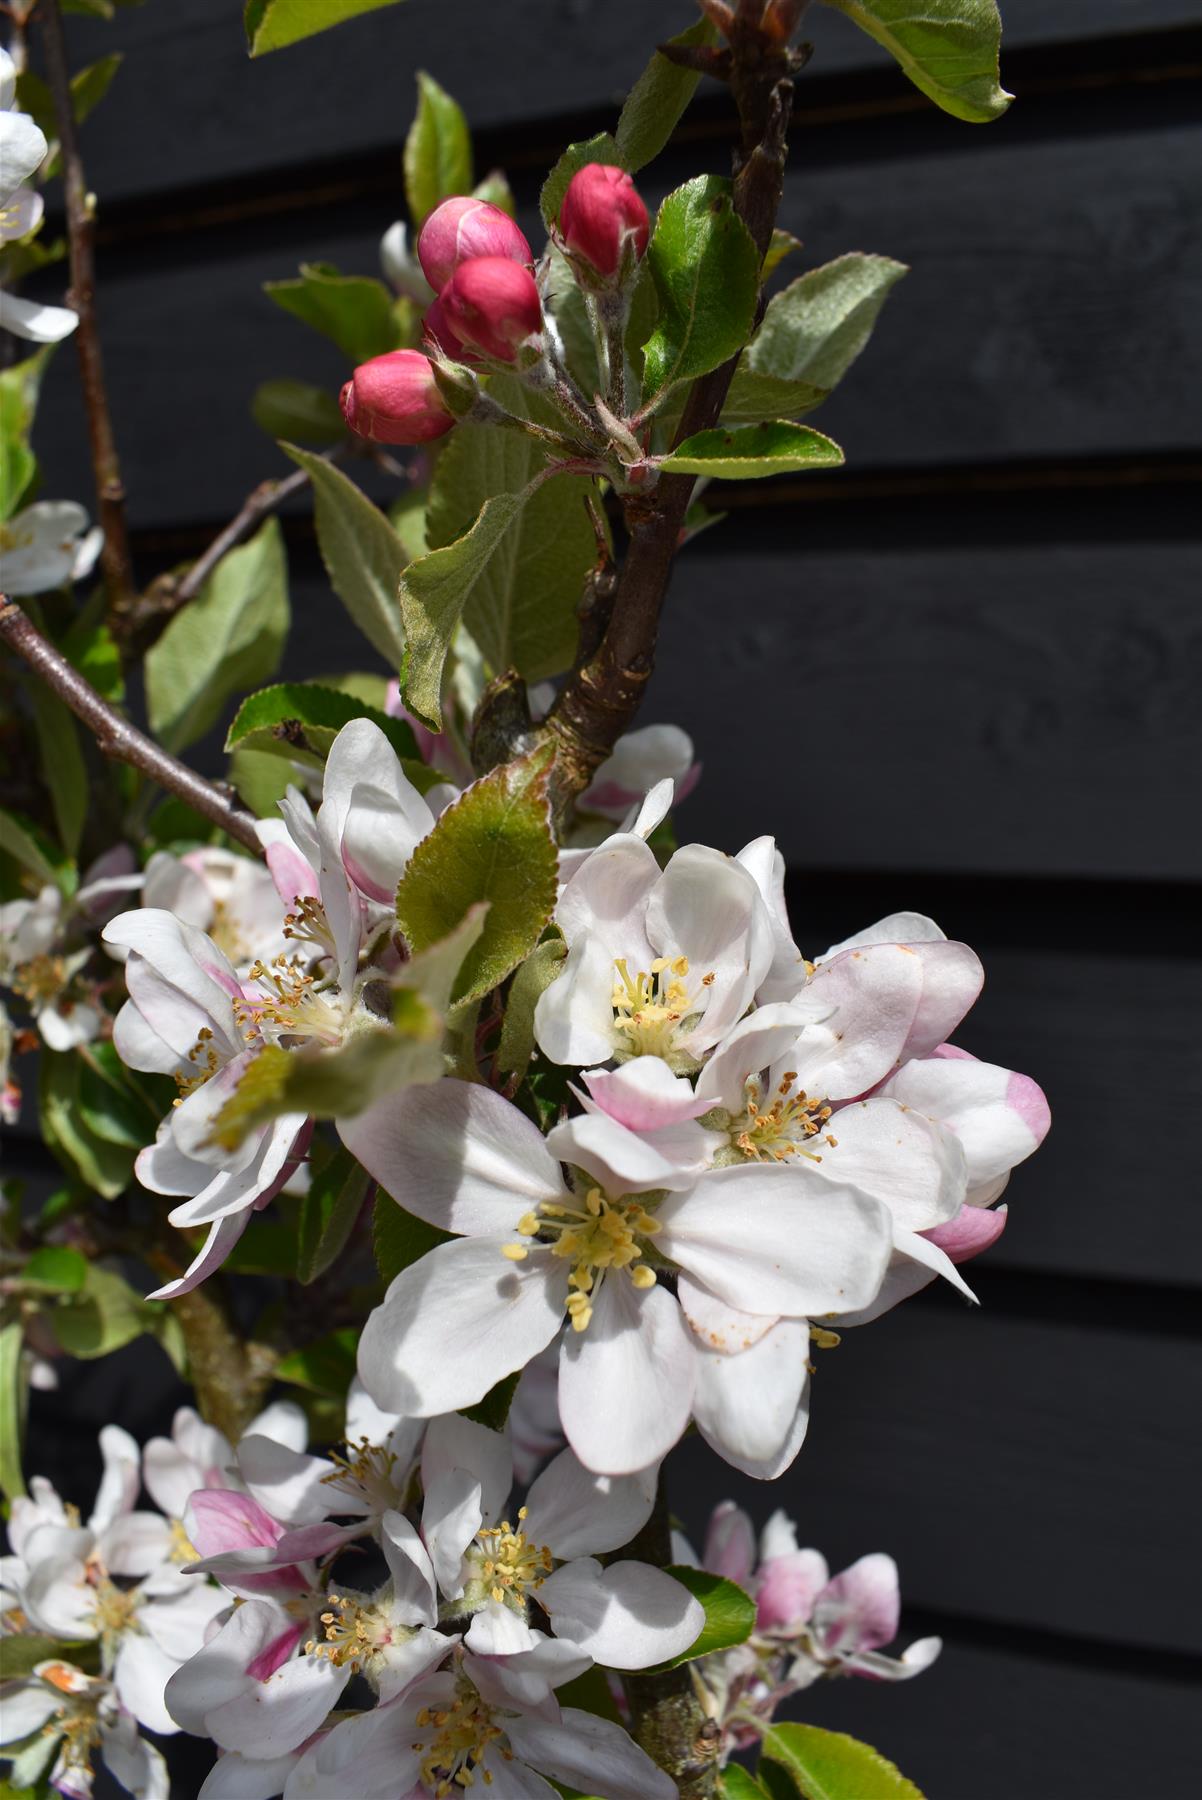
x=394 y=399
x=601 y=214
x=463 y=228
x=443 y=336
x=492 y=304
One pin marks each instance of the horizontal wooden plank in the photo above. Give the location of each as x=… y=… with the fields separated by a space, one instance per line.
x=998 y=1724
x=1032 y=1474
x=1019 y=332
x=193 y=109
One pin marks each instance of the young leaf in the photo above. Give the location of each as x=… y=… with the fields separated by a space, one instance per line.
x=355 y=311
x=737 y=1784
x=32 y=849
x=948 y=48
x=63 y=768
x=55 y=1268
x=363 y=555
x=599 y=149
x=100 y=1164
x=816 y=327
x=273 y=24
x=328 y=1214
x=228 y=639
x=493 y=1410
x=12 y=1409
x=522 y=610
x=543 y=965
x=496 y=190
x=18 y=404
x=111 y=1104
x=750 y=451
x=495 y=845
x=302 y=718
x=327 y=1366
x=398 y=1239
x=286 y=408
x=827 y=1765
x=706 y=272
x=729 y=1613
x=658 y=99
x=434 y=591
x=782 y=244
x=103 y=1315
x=438 y=151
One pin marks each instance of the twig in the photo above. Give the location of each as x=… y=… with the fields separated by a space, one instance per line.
x=81 y=232
x=263 y=500
x=115 y=736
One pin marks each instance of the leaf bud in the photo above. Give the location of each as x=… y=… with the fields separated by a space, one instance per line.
x=493 y=305
x=462 y=229
x=602 y=219
x=394 y=399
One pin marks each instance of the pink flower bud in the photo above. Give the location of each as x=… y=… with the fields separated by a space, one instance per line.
x=442 y=334
x=463 y=228
x=601 y=214
x=394 y=399
x=493 y=304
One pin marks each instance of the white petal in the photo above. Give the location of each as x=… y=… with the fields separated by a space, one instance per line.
x=140 y=1674
x=717 y=1324
x=896 y=928
x=496 y=1630
x=627 y=1616
x=613 y=1156
x=706 y=906
x=454 y=1323
x=280 y=1713
x=579 y=1513
x=223 y=1235
x=27 y=1707
x=607 y=897
x=178 y=978
x=131 y=1761
x=135 y=1543
x=574 y=1017
x=237 y=1777
x=293 y=1488
x=454 y=1442
x=120 y=1481
x=869 y=999
x=23 y=149
x=414 y=1601
x=284 y=1422
x=747 y=1404
x=626 y=1382
x=757 y=1041
x=217 y=1673
x=591 y=1754
x=999 y=1117
x=787 y=972
x=897 y=1156
x=456 y=1154
x=37 y=323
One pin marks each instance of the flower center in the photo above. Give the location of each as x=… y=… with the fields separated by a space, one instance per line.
x=182 y=1549
x=290 y=1002
x=648 y=1007
x=355 y=1632
x=366 y=1470
x=599 y=1236
x=41 y=980
x=113 y=1608
x=783 y=1128
x=75 y=1722
x=455 y=1757
x=511 y=1562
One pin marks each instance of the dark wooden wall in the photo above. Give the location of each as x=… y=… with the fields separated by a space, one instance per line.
x=977 y=651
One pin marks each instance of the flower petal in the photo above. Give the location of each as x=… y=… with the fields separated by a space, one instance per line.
x=626 y=1383
x=899 y=1157
x=590 y=1754
x=746 y=1405
x=579 y=1513
x=627 y=1616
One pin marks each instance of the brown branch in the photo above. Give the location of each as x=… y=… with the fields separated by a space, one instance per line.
x=600 y=698
x=115 y=735
x=81 y=233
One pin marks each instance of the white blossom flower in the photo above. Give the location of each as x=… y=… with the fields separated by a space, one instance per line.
x=475 y=1309
x=232 y=898
x=23 y=149
x=54 y=1721
x=639 y=761
x=48 y=544
x=46 y=943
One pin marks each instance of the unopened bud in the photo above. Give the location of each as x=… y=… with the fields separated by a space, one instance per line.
x=493 y=304
x=394 y=399
x=442 y=334
x=602 y=218
x=461 y=229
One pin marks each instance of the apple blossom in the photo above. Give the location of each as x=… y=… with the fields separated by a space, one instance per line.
x=55 y=1720
x=232 y=898
x=463 y=228
x=640 y=759
x=46 y=946
x=602 y=219
x=23 y=149
x=47 y=545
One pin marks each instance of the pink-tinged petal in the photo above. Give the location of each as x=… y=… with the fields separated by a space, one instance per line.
x=620 y=1161
x=218 y=1672
x=456 y=1154
x=746 y=1405
x=895 y=928
x=787 y=972
x=757 y=1042
x=383 y=827
x=504 y=1313
x=952 y=978
x=875 y=1667
x=868 y=999
x=998 y=1116
x=717 y=1324
x=644 y=1095
x=294 y=879
x=579 y=1513
x=787 y=1588
x=919 y=1247
x=899 y=1157
x=140 y=1675
x=274 y=1655
x=627 y=1615
x=219 y=1520
x=640 y=759
x=454 y=1442
x=589 y=1754
x=707 y=907
x=626 y=1382
x=278 y=1714
x=291 y=1486
x=768 y=1238
x=859 y=1609
x=223 y=1235
x=730 y=1543
x=973 y=1230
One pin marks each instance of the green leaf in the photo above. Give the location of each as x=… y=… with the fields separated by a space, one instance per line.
x=750 y=451
x=18 y=403
x=88 y=88
x=261 y=779
x=363 y=555
x=286 y=408
x=328 y=1213
x=228 y=639
x=816 y=327
x=355 y=311
x=753 y=398
x=658 y=99
x=827 y=1765
x=12 y=1409
x=522 y=609
x=30 y=847
x=302 y=718
x=110 y=1103
x=90 y=647
x=100 y=1164
x=494 y=845
x=57 y=1269
x=729 y=1613
x=706 y=272
x=600 y=149
x=737 y=1784
x=543 y=966
x=326 y=1366
x=266 y=1247
x=493 y=1410
x=274 y=24
x=781 y=244
x=105 y=1314
x=438 y=151
x=434 y=590
x=495 y=189
x=948 y=48
x=22 y=1651
x=398 y=1239
x=61 y=760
